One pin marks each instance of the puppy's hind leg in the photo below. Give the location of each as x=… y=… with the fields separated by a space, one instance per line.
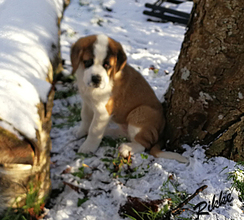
x=133 y=147
x=144 y=139
x=142 y=131
x=86 y=117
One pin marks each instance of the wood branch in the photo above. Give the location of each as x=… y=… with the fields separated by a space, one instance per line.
x=179 y=209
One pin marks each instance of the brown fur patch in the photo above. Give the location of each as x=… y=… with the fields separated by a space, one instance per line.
x=117 y=53
x=110 y=106
x=82 y=49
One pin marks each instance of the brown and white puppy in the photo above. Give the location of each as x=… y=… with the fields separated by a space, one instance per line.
x=113 y=90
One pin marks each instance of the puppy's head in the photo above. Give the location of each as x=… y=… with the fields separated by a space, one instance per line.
x=98 y=58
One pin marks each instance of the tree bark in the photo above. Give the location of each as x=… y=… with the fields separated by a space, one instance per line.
x=205 y=101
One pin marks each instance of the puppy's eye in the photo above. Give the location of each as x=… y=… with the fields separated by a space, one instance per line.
x=106 y=65
x=88 y=63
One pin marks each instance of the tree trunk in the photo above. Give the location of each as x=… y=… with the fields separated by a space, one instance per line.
x=205 y=101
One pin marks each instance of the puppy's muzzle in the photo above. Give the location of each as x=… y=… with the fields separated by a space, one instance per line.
x=96 y=80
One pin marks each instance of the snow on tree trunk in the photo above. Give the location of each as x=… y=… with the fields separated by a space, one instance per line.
x=25 y=162
x=205 y=101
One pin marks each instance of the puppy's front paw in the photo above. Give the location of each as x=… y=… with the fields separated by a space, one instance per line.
x=84 y=150
x=79 y=132
x=87 y=147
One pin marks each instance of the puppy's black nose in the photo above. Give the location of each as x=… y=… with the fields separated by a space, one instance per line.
x=96 y=80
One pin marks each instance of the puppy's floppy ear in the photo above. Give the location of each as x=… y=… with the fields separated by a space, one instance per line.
x=75 y=56
x=121 y=58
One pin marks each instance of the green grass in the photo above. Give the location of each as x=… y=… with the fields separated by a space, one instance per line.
x=64 y=94
x=80 y=173
x=116 y=166
x=108 y=141
x=150 y=215
x=237 y=176
x=15 y=214
x=69 y=117
x=69 y=91
x=81 y=201
x=170 y=189
x=120 y=167
x=32 y=208
x=83 y=155
x=83 y=2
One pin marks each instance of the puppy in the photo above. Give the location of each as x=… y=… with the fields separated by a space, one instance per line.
x=112 y=90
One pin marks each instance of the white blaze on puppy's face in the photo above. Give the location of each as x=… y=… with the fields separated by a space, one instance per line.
x=95 y=75
x=100 y=49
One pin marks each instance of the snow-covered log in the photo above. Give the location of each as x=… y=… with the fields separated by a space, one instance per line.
x=29 y=55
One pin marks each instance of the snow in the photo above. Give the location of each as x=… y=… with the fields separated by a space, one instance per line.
x=25 y=39
x=27 y=31
x=147 y=45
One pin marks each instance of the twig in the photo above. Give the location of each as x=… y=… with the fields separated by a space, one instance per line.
x=179 y=209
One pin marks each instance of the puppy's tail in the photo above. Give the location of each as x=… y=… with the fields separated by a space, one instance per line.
x=156 y=152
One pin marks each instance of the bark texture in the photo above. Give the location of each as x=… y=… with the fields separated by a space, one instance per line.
x=205 y=101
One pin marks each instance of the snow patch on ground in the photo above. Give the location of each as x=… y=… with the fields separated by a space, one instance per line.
x=146 y=45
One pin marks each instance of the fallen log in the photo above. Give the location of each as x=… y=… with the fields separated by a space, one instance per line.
x=25 y=160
